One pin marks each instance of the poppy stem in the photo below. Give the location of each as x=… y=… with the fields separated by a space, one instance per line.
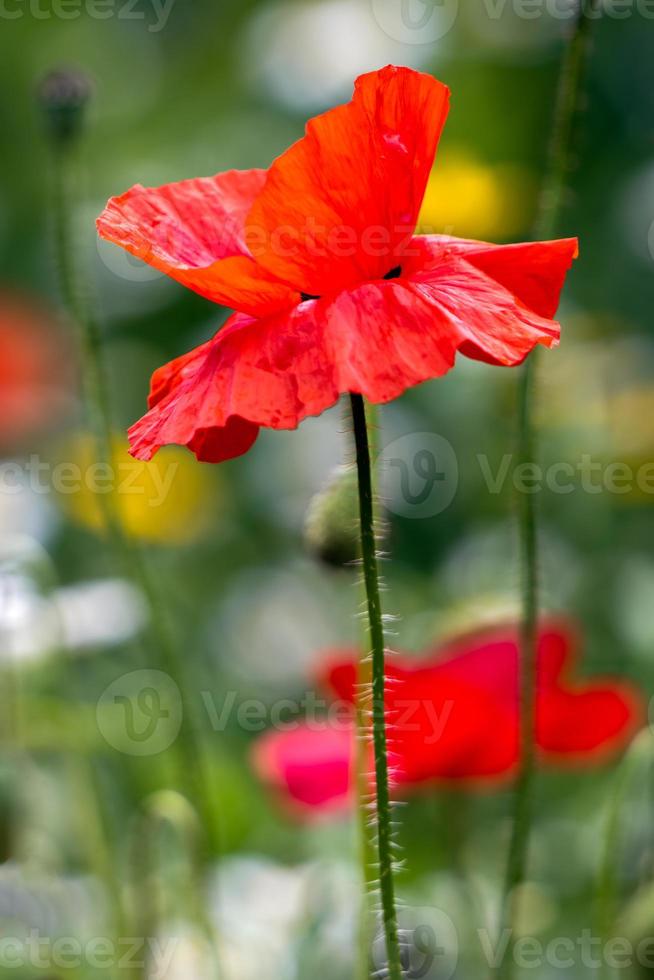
x=552 y=202
x=366 y=843
x=377 y=643
x=367 y=848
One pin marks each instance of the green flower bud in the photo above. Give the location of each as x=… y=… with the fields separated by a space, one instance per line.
x=331 y=527
x=63 y=96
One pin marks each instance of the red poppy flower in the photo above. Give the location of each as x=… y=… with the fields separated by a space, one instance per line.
x=36 y=379
x=334 y=292
x=452 y=718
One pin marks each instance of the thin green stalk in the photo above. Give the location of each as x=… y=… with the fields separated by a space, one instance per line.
x=196 y=776
x=365 y=829
x=552 y=202
x=607 y=884
x=366 y=843
x=167 y=808
x=91 y=829
x=376 y=628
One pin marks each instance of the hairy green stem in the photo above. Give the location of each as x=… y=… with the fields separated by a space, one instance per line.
x=552 y=202
x=195 y=775
x=377 y=644
x=366 y=839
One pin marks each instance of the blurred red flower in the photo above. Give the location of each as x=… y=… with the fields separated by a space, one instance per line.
x=36 y=380
x=452 y=718
x=334 y=292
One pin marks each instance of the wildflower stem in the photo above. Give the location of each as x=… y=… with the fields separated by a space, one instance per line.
x=376 y=628
x=607 y=884
x=552 y=203
x=367 y=850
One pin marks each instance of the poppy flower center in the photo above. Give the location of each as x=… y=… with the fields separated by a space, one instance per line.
x=393 y=273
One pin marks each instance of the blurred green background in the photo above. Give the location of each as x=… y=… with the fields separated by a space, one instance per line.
x=98 y=841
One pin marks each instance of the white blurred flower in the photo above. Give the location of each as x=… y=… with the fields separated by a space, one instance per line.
x=105 y=612
x=24 y=511
x=307 y=55
x=274 y=621
x=264 y=913
x=38 y=620
x=180 y=952
x=29 y=625
x=52 y=905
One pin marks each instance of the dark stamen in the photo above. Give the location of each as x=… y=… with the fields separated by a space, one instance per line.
x=393 y=273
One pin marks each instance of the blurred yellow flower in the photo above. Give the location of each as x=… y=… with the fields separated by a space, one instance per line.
x=170 y=499
x=472 y=199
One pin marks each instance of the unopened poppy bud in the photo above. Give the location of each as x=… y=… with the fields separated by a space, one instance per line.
x=331 y=527
x=63 y=95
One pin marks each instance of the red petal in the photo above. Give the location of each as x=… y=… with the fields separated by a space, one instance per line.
x=591 y=720
x=442 y=728
x=441 y=725
x=472 y=687
x=490 y=658
x=311 y=768
x=270 y=372
x=339 y=205
x=379 y=339
x=194 y=231
x=385 y=337
x=183 y=412
x=534 y=272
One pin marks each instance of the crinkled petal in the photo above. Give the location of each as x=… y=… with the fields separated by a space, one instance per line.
x=385 y=337
x=339 y=206
x=183 y=411
x=377 y=339
x=534 y=272
x=270 y=372
x=194 y=231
